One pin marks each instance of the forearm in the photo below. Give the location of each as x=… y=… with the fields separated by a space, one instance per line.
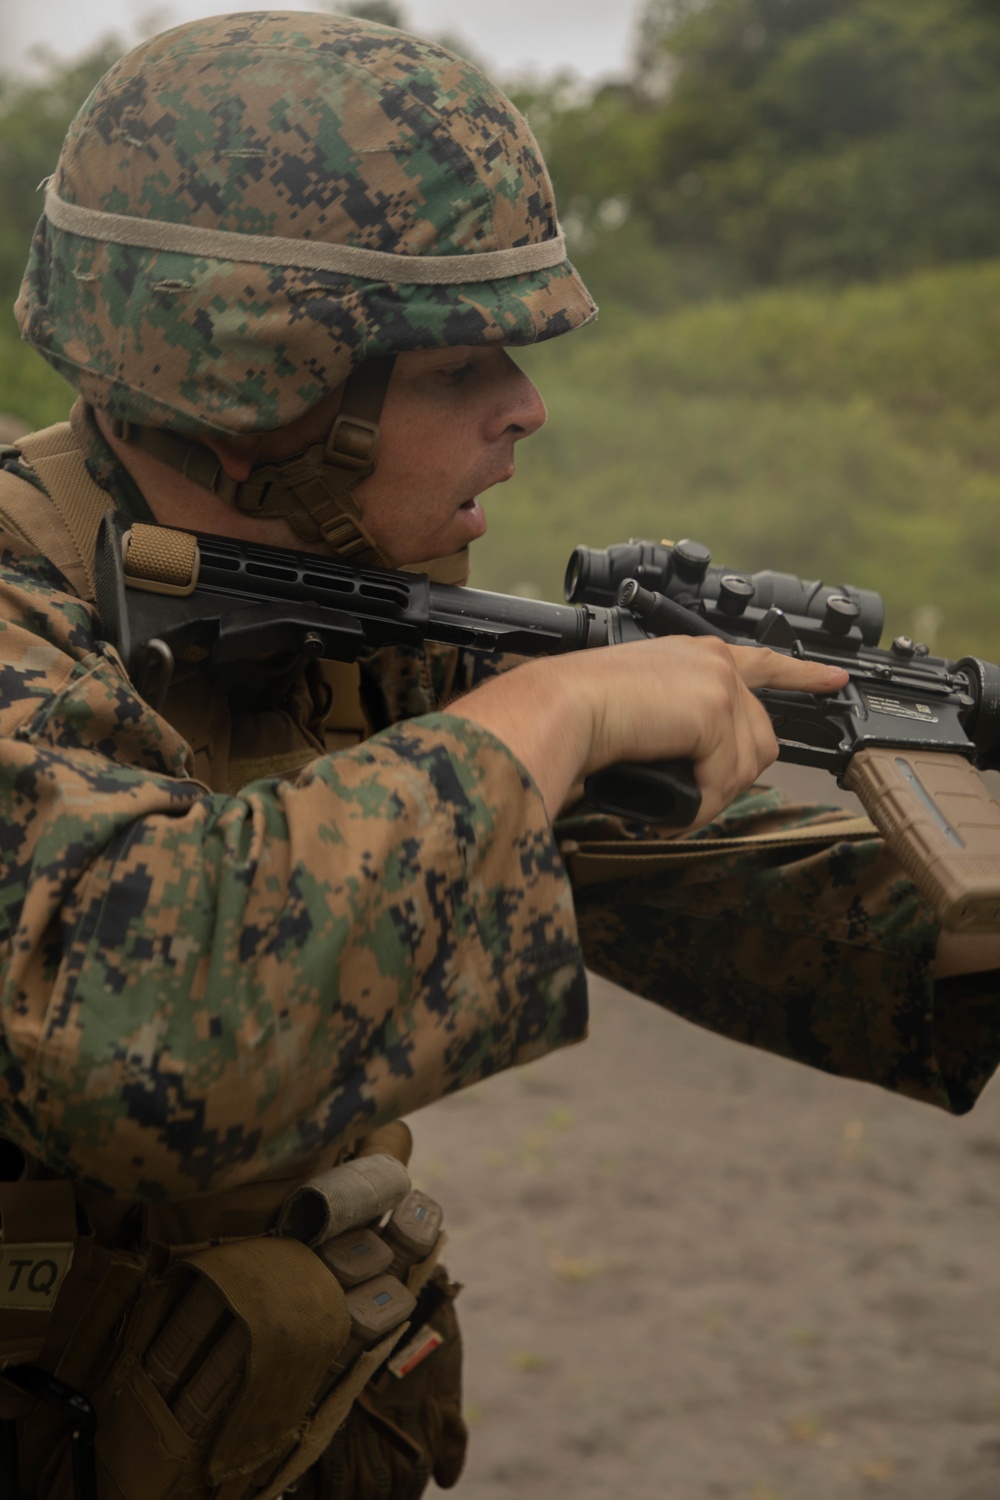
x=825 y=955
x=675 y=698
x=545 y=725
x=250 y=978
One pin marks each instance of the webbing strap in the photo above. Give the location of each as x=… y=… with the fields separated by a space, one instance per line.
x=29 y=514
x=589 y=864
x=64 y=526
x=311 y=490
x=351 y=449
x=322 y=479
x=461 y=268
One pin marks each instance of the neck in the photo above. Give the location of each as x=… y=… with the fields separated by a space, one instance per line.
x=177 y=501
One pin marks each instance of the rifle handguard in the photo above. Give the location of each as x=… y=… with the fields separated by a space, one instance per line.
x=941 y=822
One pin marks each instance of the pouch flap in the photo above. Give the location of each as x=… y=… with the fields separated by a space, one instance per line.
x=333 y=1413
x=295 y=1315
x=141 y=1450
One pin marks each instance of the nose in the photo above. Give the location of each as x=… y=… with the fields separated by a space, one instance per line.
x=519 y=410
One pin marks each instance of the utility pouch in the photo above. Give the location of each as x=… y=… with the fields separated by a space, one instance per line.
x=407 y=1426
x=213 y=1391
x=215 y=1362
x=38 y=1238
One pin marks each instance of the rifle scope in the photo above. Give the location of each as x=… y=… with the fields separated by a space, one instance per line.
x=683 y=571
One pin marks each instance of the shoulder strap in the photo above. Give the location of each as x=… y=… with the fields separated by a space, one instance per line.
x=590 y=864
x=62 y=524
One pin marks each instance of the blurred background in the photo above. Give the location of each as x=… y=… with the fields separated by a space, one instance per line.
x=694 y=1271
x=789 y=211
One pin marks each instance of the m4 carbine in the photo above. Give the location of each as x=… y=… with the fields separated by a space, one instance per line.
x=905 y=734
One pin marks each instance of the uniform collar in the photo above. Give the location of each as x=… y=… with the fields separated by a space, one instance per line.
x=104 y=467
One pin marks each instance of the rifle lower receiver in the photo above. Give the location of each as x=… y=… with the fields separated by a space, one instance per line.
x=905 y=733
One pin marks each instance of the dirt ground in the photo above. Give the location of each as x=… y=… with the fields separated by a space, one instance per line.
x=697 y=1272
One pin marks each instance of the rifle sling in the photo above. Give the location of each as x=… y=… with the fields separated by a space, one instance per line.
x=61 y=524
x=592 y=863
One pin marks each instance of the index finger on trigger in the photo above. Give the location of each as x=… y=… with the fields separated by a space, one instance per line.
x=762 y=668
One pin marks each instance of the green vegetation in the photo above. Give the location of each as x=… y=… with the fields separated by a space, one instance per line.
x=33 y=120
x=851 y=436
x=28 y=388
x=790 y=213
x=764 y=141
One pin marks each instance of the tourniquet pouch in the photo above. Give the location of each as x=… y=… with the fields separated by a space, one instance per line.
x=406 y=1426
x=221 y=1385
x=39 y=1234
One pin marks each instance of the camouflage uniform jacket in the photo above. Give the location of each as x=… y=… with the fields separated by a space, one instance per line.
x=232 y=937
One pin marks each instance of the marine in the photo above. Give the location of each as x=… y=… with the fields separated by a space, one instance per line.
x=283 y=259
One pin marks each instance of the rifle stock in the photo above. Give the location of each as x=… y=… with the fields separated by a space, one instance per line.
x=904 y=735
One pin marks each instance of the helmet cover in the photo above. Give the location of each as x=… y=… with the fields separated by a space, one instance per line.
x=248 y=206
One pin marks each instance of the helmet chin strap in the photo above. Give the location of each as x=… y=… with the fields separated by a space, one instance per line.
x=312 y=490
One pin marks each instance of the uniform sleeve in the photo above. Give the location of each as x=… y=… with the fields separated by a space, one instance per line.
x=823 y=955
x=200 y=989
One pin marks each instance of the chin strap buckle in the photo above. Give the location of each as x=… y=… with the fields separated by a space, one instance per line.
x=352 y=444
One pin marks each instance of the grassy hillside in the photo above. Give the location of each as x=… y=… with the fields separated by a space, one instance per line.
x=28 y=387
x=852 y=436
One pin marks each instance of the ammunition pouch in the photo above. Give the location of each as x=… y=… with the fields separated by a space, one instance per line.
x=407 y=1426
x=217 y=1388
x=218 y=1356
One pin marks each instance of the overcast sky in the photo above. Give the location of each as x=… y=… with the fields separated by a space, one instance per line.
x=591 y=37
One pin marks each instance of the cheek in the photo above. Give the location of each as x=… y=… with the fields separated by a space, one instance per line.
x=424 y=459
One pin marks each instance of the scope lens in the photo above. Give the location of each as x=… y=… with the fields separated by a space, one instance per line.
x=575 y=581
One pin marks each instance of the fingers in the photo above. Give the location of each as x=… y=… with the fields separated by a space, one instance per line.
x=743 y=746
x=759 y=667
x=736 y=751
x=671 y=698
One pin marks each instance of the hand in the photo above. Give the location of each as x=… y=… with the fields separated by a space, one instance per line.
x=669 y=699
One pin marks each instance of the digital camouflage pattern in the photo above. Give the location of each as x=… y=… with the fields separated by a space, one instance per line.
x=201 y=987
x=823 y=954
x=315 y=127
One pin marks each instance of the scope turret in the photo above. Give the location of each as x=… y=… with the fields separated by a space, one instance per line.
x=684 y=573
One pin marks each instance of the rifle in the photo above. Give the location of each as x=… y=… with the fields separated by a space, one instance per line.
x=905 y=734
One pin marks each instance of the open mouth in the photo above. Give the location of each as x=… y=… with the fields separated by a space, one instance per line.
x=474 y=520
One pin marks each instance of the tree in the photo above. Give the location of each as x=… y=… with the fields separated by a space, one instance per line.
x=824 y=138
x=34 y=118
x=764 y=141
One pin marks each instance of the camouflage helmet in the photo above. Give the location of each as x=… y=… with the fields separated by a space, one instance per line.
x=248 y=207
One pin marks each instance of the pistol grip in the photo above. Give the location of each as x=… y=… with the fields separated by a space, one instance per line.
x=939 y=819
x=656 y=791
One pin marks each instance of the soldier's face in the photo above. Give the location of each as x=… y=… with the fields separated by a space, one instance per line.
x=448 y=427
